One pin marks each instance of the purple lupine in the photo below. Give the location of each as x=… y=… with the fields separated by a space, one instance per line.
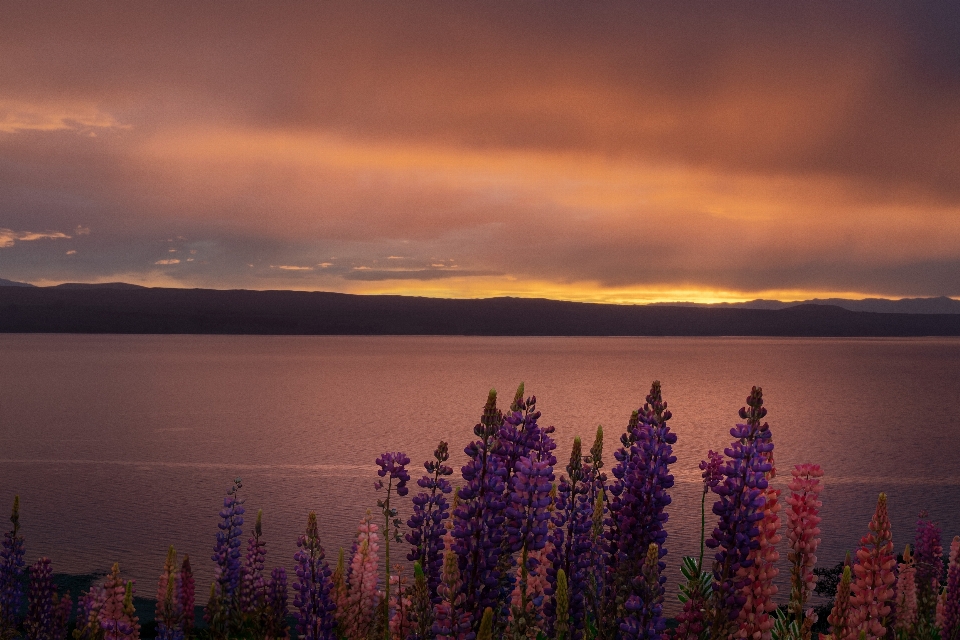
x=519 y=434
x=313 y=587
x=88 y=613
x=928 y=560
x=226 y=553
x=450 y=620
x=39 y=622
x=948 y=612
x=478 y=519
x=393 y=467
x=570 y=544
x=187 y=596
x=275 y=625
x=12 y=568
x=430 y=510
x=252 y=584
x=740 y=508
x=638 y=504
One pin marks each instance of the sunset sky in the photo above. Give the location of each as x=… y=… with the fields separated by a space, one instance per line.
x=623 y=152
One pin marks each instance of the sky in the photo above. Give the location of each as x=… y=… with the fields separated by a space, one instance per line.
x=596 y=151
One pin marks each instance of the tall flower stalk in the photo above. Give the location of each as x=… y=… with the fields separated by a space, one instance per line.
x=950 y=607
x=223 y=611
x=12 y=567
x=872 y=589
x=252 y=583
x=393 y=467
x=740 y=511
x=40 y=622
x=362 y=598
x=803 y=529
x=430 y=509
x=906 y=597
x=168 y=612
x=313 y=587
x=117 y=617
x=187 y=596
x=928 y=560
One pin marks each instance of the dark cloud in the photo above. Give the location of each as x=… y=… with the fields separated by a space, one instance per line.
x=734 y=147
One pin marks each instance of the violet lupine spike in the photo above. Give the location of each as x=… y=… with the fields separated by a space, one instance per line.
x=252 y=583
x=39 y=622
x=187 y=596
x=950 y=608
x=275 y=623
x=872 y=590
x=430 y=509
x=226 y=554
x=12 y=568
x=928 y=560
x=393 y=467
x=313 y=588
x=638 y=504
x=570 y=545
x=740 y=511
x=519 y=433
x=478 y=519
x=803 y=529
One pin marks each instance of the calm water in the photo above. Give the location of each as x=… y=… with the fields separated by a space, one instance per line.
x=122 y=445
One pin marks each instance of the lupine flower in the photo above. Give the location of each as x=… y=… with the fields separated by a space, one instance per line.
x=949 y=622
x=518 y=433
x=803 y=520
x=528 y=594
x=168 y=612
x=928 y=559
x=252 y=584
x=597 y=496
x=88 y=614
x=62 y=608
x=430 y=510
x=187 y=596
x=275 y=624
x=692 y=619
x=906 y=598
x=755 y=619
x=740 y=511
x=226 y=554
x=571 y=543
x=872 y=590
x=421 y=605
x=450 y=620
x=638 y=503
x=39 y=623
x=393 y=467
x=313 y=587
x=479 y=517
x=401 y=622
x=561 y=624
x=839 y=617
x=116 y=620
x=646 y=605
x=12 y=568
x=486 y=625
x=362 y=596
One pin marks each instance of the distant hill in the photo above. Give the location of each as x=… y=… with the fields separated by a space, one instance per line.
x=98 y=285
x=105 y=309
x=942 y=304
x=12 y=283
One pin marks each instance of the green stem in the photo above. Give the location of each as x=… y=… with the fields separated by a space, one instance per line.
x=386 y=537
x=703 y=527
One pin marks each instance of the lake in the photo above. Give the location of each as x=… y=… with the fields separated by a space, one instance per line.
x=122 y=445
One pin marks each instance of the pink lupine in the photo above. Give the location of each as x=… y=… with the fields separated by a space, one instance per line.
x=803 y=520
x=948 y=609
x=362 y=594
x=528 y=591
x=906 y=599
x=168 y=611
x=872 y=591
x=115 y=617
x=755 y=621
x=400 y=606
x=839 y=617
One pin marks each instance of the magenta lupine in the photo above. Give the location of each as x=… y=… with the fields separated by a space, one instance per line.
x=187 y=596
x=949 y=622
x=223 y=610
x=872 y=591
x=479 y=517
x=451 y=621
x=12 y=568
x=740 y=511
x=116 y=619
x=275 y=622
x=803 y=529
x=755 y=619
x=88 y=614
x=401 y=622
x=638 y=503
x=39 y=622
x=169 y=615
x=62 y=610
x=313 y=587
x=430 y=509
x=906 y=596
x=357 y=618
x=928 y=559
